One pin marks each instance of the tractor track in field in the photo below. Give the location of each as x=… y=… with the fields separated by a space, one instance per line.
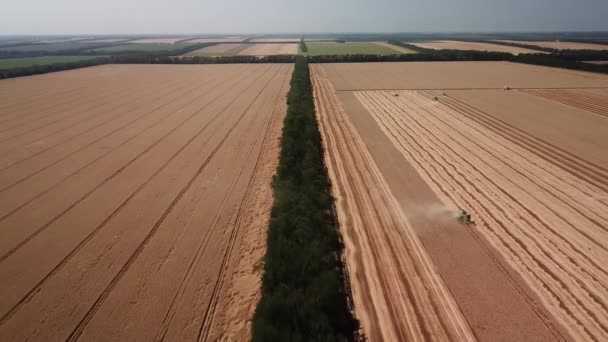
x=550 y=254
x=432 y=311
x=37 y=121
x=590 y=172
x=82 y=324
x=574 y=99
x=100 y=226
x=104 y=181
x=237 y=225
x=214 y=148
x=83 y=147
x=162 y=331
x=76 y=135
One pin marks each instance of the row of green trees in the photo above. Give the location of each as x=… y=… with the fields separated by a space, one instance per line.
x=94 y=50
x=142 y=59
x=46 y=68
x=304 y=293
x=303 y=46
x=568 y=59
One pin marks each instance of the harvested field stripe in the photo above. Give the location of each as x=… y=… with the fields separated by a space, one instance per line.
x=573 y=99
x=429 y=300
x=515 y=163
x=561 y=267
x=592 y=173
x=539 y=181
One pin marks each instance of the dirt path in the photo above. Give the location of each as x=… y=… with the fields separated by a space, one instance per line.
x=148 y=217
x=547 y=220
x=397 y=292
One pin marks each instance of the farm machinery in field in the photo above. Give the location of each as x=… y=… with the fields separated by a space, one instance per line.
x=464 y=217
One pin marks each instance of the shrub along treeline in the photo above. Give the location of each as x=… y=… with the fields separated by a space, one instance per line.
x=304 y=296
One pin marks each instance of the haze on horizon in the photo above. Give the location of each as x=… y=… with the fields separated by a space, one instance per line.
x=288 y=16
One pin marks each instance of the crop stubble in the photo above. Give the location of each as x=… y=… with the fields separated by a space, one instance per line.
x=540 y=210
x=161 y=209
x=397 y=292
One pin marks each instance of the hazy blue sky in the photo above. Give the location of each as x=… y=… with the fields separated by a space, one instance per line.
x=265 y=16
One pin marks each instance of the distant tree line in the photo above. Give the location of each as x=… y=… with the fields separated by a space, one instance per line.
x=142 y=59
x=514 y=44
x=579 y=55
x=89 y=50
x=568 y=59
x=303 y=46
x=46 y=68
x=151 y=59
x=304 y=290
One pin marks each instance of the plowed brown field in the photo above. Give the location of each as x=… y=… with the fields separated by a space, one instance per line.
x=533 y=266
x=134 y=200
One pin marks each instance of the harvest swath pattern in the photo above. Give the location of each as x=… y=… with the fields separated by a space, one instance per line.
x=402 y=298
x=130 y=194
x=543 y=209
x=589 y=100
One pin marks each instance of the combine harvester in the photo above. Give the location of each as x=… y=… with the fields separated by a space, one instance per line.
x=464 y=217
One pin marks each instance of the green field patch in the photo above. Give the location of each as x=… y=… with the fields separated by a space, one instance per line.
x=333 y=48
x=12 y=63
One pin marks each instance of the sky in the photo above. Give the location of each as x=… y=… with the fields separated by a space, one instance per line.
x=290 y=16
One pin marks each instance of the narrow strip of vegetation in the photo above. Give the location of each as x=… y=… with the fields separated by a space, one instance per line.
x=101 y=49
x=303 y=47
x=303 y=287
x=567 y=59
x=46 y=68
x=141 y=59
